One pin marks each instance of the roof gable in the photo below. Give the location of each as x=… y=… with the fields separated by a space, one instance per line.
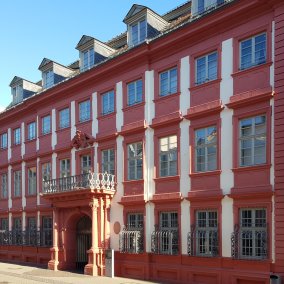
x=44 y=62
x=15 y=80
x=133 y=11
x=84 y=39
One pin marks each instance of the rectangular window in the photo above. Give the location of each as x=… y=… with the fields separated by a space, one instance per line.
x=17 y=223
x=206 y=149
x=17 y=183
x=168 y=156
x=138 y=32
x=46 y=171
x=107 y=102
x=88 y=57
x=84 y=111
x=135 y=161
x=4 y=223
x=253 y=233
x=17 y=93
x=252 y=141
x=206 y=235
x=64 y=168
x=46 y=125
x=4 y=141
x=64 y=118
x=46 y=231
x=134 y=92
x=86 y=164
x=108 y=161
x=31 y=235
x=32 y=181
x=17 y=136
x=32 y=131
x=4 y=186
x=168 y=82
x=253 y=51
x=135 y=221
x=206 y=68
x=200 y=6
x=48 y=79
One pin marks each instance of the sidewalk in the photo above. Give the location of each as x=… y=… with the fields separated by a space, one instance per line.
x=19 y=274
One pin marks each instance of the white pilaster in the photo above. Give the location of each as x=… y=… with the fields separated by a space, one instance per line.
x=96 y=167
x=38 y=181
x=9 y=187
x=23 y=148
x=95 y=114
x=184 y=85
x=10 y=221
x=116 y=213
x=53 y=124
x=149 y=224
x=24 y=221
x=119 y=106
x=37 y=133
x=73 y=119
x=226 y=91
x=38 y=220
x=149 y=97
x=185 y=224
x=24 y=203
x=53 y=166
x=9 y=144
x=227 y=225
x=73 y=162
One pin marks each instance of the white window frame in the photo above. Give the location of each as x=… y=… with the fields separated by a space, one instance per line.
x=108 y=159
x=253 y=62
x=46 y=171
x=138 y=23
x=138 y=98
x=253 y=137
x=17 y=93
x=206 y=79
x=136 y=159
x=64 y=118
x=17 y=136
x=46 y=124
x=169 y=82
x=84 y=111
x=135 y=220
x=4 y=140
x=88 y=61
x=206 y=145
x=86 y=164
x=31 y=131
x=18 y=183
x=32 y=181
x=4 y=186
x=65 y=168
x=110 y=107
x=48 y=79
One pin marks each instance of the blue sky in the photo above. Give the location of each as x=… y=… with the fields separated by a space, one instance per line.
x=33 y=29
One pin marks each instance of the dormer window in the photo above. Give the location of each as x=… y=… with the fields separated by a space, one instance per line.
x=88 y=59
x=138 y=32
x=17 y=93
x=201 y=6
x=48 y=79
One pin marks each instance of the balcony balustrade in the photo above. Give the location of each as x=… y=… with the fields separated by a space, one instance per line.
x=91 y=180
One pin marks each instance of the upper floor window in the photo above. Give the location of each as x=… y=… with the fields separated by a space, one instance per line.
x=206 y=149
x=17 y=93
x=108 y=102
x=134 y=92
x=135 y=161
x=4 y=223
x=17 y=183
x=17 y=136
x=46 y=124
x=206 y=68
x=32 y=181
x=31 y=131
x=48 y=79
x=168 y=156
x=84 y=111
x=253 y=51
x=4 y=186
x=88 y=57
x=46 y=171
x=4 y=141
x=200 y=6
x=86 y=164
x=252 y=141
x=168 y=82
x=108 y=161
x=138 y=32
x=64 y=118
x=64 y=168
x=17 y=224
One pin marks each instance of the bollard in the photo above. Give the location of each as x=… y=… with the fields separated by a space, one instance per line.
x=275 y=279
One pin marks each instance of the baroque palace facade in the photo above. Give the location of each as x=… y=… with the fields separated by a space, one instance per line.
x=165 y=144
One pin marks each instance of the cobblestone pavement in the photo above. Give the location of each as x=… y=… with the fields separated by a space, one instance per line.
x=19 y=274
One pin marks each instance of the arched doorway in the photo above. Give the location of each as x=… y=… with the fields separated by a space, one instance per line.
x=83 y=241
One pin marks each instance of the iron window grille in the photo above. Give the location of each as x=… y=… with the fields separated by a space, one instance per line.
x=250 y=239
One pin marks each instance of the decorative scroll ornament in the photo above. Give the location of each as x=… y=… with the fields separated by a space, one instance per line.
x=81 y=140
